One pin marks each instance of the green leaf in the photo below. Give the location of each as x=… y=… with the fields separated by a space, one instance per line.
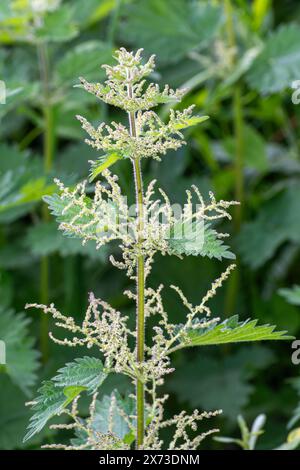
x=278 y=65
x=84 y=373
x=44 y=239
x=87 y=372
x=210 y=384
x=57 y=205
x=193 y=240
x=199 y=381
x=58 y=25
x=14 y=415
x=72 y=391
x=83 y=60
x=50 y=402
x=255 y=153
x=278 y=221
x=21 y=183
x=105 y=161
x=172 y=28
x=21 y=357
x=91 y=226
x=291 y=295
x=192 y=121
x=107 y=418
x=231 y=331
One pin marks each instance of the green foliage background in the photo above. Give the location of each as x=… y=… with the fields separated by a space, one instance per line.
x=238 y=64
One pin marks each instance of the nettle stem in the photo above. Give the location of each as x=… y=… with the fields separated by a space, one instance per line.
x=140 y=305
x=140 y=322
x=49 y=146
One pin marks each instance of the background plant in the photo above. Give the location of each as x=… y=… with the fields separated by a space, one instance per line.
x=269 y=227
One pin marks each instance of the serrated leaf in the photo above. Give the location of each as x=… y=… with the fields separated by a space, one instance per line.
x=278 y=65
x=201 y=379
x=58 y=25
x=280 y=217
x=291 y=295
x=192 y=121
x=105 y=161
x=45 y=239
x=83 y=374
x=87 y=372
x=231 y=331
x=21 y=357
x=177 y=26
x=108 y=418
x=50 y=402
x=13 y=415
x=21 y=183
x=57 y=205
x=211 y=383
x=198 y=240
x=83 y=60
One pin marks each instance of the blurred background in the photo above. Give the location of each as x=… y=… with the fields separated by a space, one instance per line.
x=240 y=61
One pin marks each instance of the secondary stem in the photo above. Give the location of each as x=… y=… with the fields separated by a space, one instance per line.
x=140 y=320
x=237 y=118
x=49 y=145
x=238 y=125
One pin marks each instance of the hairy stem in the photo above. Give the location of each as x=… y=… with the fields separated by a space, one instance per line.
x=140 y=320
x=140 y=307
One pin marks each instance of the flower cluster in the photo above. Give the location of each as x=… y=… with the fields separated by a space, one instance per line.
x=128 y=75
x=105 y=328
x=108 y=217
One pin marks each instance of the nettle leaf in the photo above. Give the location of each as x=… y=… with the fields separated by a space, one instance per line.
x=86 y=371
x=291 y=295
x=58 y=25
x=278 y=221
x=21 y=183
x=21 y=357
x=44 y=239
x=231 y=331
x=192 y=121
x=108 y=418
x=231 y=374
x=90 y=225
x=83 y=60
x=14 y=416
x=255 y=149
x=51 y=401
x=84 y=374
x=57 y=205
x=194 y=240
x=103 y=162
x=278 y=65
x=177 y=26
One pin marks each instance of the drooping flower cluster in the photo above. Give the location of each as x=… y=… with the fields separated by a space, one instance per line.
x=105 y=328
x=108 y=217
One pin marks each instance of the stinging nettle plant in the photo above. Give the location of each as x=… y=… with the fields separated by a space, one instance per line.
x=116 y=422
